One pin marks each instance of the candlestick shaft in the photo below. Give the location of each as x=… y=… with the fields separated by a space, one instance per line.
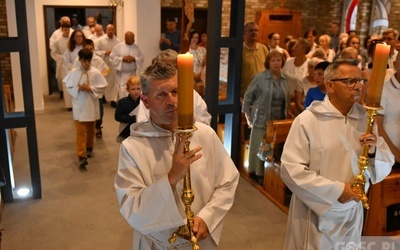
x=359 y=180
x=187 y=197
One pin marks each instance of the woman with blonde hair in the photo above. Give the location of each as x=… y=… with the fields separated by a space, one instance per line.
x=324 y=44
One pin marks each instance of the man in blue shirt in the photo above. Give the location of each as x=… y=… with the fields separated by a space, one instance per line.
x=171 y=39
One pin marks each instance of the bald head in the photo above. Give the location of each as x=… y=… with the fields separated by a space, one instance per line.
x=65 y=21
x=110 y=30
x=129 y=38
x=349 y=53
x=98 y=29
x=91 y=22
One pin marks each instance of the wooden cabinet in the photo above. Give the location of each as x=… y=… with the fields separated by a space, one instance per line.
x=282 y=21
x=382 y=217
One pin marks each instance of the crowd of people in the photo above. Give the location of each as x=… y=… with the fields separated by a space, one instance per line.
x=326 y=82
x=321 y=84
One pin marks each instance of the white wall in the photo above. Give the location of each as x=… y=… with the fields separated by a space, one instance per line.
x=134 y=16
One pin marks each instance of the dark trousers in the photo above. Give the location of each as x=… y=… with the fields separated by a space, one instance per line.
x=99 y=122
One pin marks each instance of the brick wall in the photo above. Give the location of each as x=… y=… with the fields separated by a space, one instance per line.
x=394 y=16
x=363 y=19
x=311 y=10
x=4 y=57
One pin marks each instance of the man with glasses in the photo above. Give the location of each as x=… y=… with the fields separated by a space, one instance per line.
x=320 y=160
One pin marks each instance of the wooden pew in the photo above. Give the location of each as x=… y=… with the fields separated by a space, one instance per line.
x=274 y=187
x=382 y=196
x=244 y=133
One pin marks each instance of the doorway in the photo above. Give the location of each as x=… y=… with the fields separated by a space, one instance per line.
x=104 y=15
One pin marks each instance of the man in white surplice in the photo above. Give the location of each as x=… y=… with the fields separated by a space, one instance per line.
x=104 y=46
x=319 y=162
x=57 y=53
x=58 y=32
x=127 y=59
x=152 y=165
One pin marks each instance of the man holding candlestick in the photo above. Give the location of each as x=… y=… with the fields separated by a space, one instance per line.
x=152 y=165
x=320 y=160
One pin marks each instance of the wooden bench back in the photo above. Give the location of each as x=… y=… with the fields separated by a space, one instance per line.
x=277 y=131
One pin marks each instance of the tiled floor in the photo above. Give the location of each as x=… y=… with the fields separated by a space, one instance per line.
x=79 y=210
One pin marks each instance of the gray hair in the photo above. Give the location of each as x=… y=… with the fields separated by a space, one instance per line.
x=167 y=56
x=157 y=71
x=331 y=70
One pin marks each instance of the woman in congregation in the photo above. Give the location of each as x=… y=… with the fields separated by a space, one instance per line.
x=274 y=39
x=199 y=66
x=354 y=42
x=75 y=44
x=203 y=39
x=296 y=67
x=266 y=98
x=324 y=44
x=311 y=36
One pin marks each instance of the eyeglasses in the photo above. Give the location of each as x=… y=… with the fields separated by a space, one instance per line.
x=350 y=82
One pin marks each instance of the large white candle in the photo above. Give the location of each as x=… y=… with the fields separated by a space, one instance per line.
x=185 y=91
x=378 y=73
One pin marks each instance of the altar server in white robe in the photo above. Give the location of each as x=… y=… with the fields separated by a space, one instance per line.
x=85 y=84
x=152 y=165
x=98 y=33
x=319 y=163
x=127 y=60
x=104 y=46
x=57 y=53
x=75 y=44
x=96 y=61
x=58 y=32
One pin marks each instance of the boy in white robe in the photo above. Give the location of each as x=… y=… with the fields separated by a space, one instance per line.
x=85 y=85
x=152 y=165
x=99 y=64
x=320 y=160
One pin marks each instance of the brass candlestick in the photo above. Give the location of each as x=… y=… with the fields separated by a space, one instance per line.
x=359 y=180
x=187 y=197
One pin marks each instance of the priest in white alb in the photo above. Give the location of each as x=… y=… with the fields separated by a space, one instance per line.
x=104 y=46
x=126 y=59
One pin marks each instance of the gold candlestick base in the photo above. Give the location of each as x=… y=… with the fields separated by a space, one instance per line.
x=186 y=231
x=359 y=180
